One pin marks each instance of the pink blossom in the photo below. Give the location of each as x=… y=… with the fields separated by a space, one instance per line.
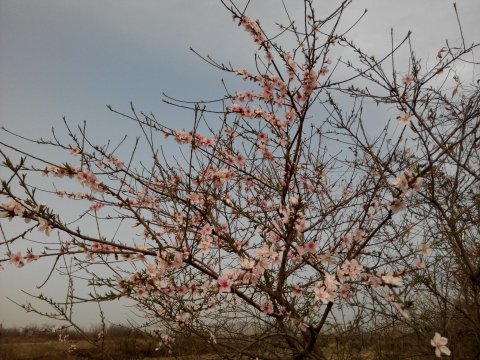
x=424 y=249
x=12 y=206
x=330 y=282
x=345 y=292
x=359 y=235
x=417 y=184
x=300 y=250
x=86 y=176
x=346 y=239
x=389 y=279
x=236 y=108
x=397 y=206
x=311 y=246
x=224 y=284
x=17 y=259
x=419 y=264
x=373 y=281
x=352 y=267
x=299 y=225
x=309 y=82
x=297 y=290
x=240 y=95
x=243 y=72
x=96 y=246
x=263 y=137
x=401 y=182
x=30 y=257
x=206 y=231
x=96 y=206
x=44 y=225
x=240 y=160
x=182 y=318
x=293 y=201
x=440 y=344
x=327 y=258
x=407 y=79
x=324 y=70
x=183 y=137
x=247 y=263
x=142 y=291
x=403 y=118
x=267 y=307
x=253 y=27
x=323 y=294
x=402 y=309
x=118 y=164
x=266 y=252
x=74 y=150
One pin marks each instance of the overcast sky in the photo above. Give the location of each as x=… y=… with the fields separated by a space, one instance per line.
x=71 y=58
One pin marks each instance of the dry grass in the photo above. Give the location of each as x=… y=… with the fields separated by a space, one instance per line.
x=125 y=345
x=47 y=346
x=33 y=344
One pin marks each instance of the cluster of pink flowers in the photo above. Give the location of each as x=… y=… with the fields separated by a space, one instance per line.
x=15 y=208
x=85 y=176
x=232 y=159
x=253 y=28
x=60 y=172
x=191 y=137
x=351 y=267
x=274 y=91
x=309 y=247
x=267 y=307
x=407 y=79
x=325 y=290
x=397 y=206
x=206 y=238
x=309 y=82
x=156 y=274
x=243 y=72
x=291 y=65
x=404 y=182
x=171 y=259
x=96 y=246
x=116 y=162
x=294 y=218
x=390 y=279
x=238 y=108
x=44 y=225
x=404 y=118
x=225 y=283
x=11 y=208
x=215 y=175
x=17 y=258
x=408 y=181
x=75 y=150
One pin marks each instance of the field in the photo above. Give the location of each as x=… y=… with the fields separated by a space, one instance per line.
x=122 y=345
x=34 y=344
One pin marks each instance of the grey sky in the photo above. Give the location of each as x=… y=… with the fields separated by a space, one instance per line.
x=65 y=57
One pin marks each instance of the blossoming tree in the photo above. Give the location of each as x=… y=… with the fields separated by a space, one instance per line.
x=285 y=207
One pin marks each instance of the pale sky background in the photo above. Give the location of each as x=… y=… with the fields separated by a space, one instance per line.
x=65 y=57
